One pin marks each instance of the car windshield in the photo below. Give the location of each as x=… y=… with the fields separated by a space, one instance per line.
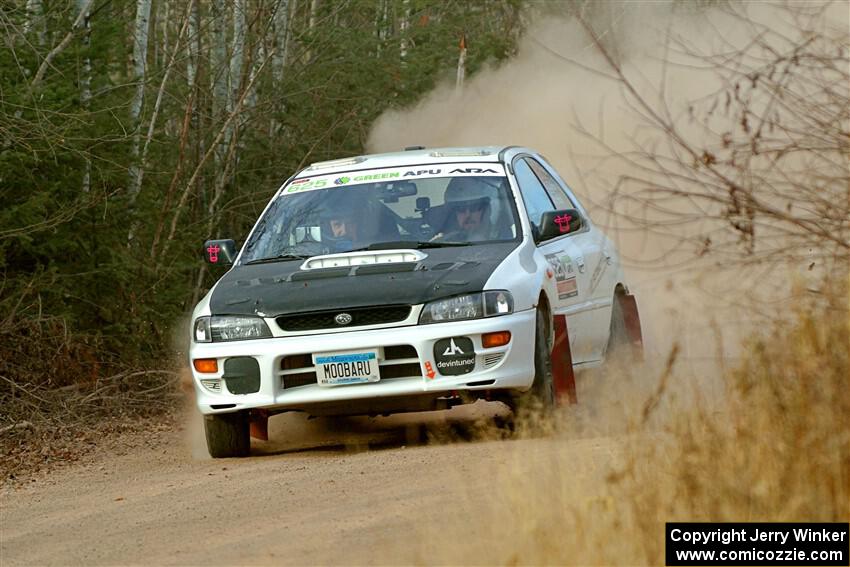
x=412 y=207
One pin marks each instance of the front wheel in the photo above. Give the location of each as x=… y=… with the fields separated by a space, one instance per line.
x=542 y=393
x=228 y=434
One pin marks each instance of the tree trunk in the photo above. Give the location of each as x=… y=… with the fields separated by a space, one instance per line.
x=140 y=50
x=251 y=101
x=281 y=37
x=403 y=28
x=311 y=26
x=461 y=65
x=194 y=46
x=166 y=23
x=237 y=53
x=85 y=82
x=380 y=26
x=282 y=22
x=219 y=71
x=314 y=14
x=35 y=21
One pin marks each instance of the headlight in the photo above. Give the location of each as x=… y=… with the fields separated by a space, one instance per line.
x=472 y=306
x=230 y=328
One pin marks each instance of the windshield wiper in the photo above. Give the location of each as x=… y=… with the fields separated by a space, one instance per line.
x=278 y=258
x=415 y=244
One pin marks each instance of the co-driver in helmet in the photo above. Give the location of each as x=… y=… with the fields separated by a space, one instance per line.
x=469 y=203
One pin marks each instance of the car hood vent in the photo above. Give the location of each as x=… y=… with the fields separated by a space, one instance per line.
x=363 y=258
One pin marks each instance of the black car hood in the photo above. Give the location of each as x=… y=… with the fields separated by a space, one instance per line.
x=282 y=288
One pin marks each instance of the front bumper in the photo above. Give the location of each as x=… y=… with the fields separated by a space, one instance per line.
x=509 y=367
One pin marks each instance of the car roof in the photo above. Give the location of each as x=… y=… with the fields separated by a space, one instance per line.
x=484 y=154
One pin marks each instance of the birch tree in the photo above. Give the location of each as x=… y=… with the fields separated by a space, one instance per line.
x=194 y=45
x=311 y=26
x=380 y=26
x=140 y=50
x=219 y=70
x=403 y=30
x=85 y=81
x=281 y=47
x=236 y=60
x=461 y=65
x=281 y=39
x=35 y=22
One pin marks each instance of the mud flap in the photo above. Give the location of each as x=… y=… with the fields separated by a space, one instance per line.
x=631 y=318
x=260 y=425
x=562 y=364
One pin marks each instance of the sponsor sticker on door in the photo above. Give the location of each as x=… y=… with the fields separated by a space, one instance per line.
x=567 y=288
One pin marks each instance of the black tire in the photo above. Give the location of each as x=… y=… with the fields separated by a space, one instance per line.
x=541 y=396
x=228 y=435
x=619 y=343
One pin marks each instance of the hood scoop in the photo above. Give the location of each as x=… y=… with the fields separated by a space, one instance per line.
x=387 y=268
x=367 y=257
x=340 y=272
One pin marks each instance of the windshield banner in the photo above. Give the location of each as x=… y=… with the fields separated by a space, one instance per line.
x=389 y=174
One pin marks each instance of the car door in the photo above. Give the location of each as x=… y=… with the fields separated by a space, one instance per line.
x=564 y=255
x=593 y=313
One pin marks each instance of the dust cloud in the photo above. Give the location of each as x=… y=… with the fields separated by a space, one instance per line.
x=559 y=96
x=627 y=458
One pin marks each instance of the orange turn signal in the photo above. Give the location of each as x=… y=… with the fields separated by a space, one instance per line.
x=501 y=338
x=206 y=365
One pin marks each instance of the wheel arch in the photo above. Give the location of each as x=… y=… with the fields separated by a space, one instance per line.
x=620 y=289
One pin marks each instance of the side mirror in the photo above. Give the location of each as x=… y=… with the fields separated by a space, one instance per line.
x=558 y=223
x=220 y=252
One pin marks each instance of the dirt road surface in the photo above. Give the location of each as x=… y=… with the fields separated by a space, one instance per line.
x=415 y=489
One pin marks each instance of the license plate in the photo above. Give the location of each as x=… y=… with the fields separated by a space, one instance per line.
x=340 y=368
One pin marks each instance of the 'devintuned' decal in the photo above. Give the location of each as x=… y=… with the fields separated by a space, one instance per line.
x=454 y=356
x=565 y=275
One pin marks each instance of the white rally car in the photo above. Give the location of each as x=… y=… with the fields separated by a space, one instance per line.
x=407 y=281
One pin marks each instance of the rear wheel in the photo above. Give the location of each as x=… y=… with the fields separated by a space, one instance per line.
x=228 y=434
x=618 y=336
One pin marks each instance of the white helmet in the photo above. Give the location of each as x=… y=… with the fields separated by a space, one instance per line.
x=472 y=191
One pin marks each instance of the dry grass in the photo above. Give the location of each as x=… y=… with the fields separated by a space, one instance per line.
x=771 y=442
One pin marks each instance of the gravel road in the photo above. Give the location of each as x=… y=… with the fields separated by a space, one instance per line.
x=413 y=489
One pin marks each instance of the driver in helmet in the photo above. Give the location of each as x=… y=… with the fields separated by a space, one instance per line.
x=342 y=231
x=345 y=222
x=344 y=226
x=469 y=203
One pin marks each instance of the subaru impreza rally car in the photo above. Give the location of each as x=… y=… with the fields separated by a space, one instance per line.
x=407 y=281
